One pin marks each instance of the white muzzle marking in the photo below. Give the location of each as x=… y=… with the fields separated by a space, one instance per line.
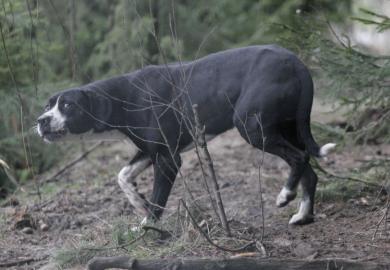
x=57 y=121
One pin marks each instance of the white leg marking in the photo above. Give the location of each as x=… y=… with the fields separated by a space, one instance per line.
x=57 y=121
x=325 y=149
x=303 y=213
x=126 y=180
x=285 y=196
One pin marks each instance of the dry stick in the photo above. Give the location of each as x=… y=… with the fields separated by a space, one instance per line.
x=260 y=184
x=201 y=141
x=72 y=163
x=213 y=204
x=208 y=238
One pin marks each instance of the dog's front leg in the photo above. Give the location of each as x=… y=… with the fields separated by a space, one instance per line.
x=165 y=171
x=126 y=180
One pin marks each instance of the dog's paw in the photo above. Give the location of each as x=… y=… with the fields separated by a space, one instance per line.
x=285 y=196
x=299 y=219
x=139 y=226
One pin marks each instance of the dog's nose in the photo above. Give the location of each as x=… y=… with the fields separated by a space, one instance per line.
x=44 y=121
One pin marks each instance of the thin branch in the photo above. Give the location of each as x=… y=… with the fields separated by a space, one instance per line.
x=71 y=163
x=260 y=173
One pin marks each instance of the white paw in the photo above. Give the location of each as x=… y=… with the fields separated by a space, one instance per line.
x=285 y=196
x=295 y=219
x=299 y=219
x=138 y=227
x=304 y=215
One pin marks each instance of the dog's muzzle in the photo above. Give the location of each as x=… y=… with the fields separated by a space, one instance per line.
x=45 y=131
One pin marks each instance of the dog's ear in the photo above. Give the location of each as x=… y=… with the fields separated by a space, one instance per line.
x=100 y=107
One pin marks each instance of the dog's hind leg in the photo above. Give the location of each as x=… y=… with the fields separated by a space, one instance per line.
x=275 y=143
x=126 y=180
x=296 y=159
x=306 y=213
x=288 y=130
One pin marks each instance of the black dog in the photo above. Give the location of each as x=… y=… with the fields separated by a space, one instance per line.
x=266 y=92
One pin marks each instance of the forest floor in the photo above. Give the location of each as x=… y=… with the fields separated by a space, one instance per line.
x=85 y=207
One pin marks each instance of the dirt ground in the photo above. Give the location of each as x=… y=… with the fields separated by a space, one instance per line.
x=86 y=200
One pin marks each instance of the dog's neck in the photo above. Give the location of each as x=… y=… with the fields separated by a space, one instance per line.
x=129 y=107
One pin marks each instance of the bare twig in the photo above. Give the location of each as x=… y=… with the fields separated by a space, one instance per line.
x=71 y=163
x=201 y=142
x=260 y=183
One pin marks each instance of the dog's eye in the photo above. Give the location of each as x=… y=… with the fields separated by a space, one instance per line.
x=47 y=107
x=67 y=105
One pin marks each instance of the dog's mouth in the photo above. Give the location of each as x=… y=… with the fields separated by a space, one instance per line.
x=51 y=136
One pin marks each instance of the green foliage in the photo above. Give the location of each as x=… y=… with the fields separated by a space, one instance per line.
x=357 y=80
x=381 y=22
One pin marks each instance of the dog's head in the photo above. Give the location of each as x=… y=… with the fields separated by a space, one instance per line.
x=73 y=112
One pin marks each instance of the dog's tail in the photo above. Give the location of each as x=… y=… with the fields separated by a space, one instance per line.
x=303 y=117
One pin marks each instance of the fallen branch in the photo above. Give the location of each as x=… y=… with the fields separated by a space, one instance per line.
x=124 y=262
x=201 y=142
x=83 y=155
